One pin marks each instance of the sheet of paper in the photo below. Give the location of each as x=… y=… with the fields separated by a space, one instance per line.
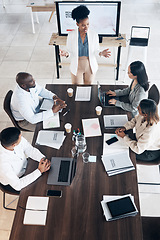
x=149 y=204
x=52 y=122
x=118 y=146
x=83 y=94
x=113 y=121
x=47 y=104
x=148 y=174
x=52 y=139
x=36 y=210
x=35 y=217
x=91 y=127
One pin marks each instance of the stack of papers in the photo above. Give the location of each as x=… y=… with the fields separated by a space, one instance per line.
x=83 y=94
x=52 y=122
x=114 y=121
x=117 y=163
x=36 y=211
x=52 y=139
x=91 y=127
x=116 y=207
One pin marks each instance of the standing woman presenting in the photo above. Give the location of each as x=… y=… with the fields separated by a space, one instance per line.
x=82 y=47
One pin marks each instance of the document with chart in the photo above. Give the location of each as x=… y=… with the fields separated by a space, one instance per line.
x=91 y=127
x=52 y=122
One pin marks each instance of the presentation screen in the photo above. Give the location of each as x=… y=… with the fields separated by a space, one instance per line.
x=103 y=18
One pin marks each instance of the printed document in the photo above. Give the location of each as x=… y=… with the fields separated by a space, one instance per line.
x=117 y=163
x=83 y=94
x=114 y=121
x=52 y=139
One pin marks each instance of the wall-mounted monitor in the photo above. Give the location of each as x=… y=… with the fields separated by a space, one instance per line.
x=104 y=17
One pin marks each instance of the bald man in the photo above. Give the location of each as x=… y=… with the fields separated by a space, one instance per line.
x=25 y=102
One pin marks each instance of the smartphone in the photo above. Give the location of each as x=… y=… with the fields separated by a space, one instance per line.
x=112 y=140
x=54 y=193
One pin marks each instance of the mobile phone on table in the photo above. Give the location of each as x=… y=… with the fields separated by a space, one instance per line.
x=111 y=140
x=54 y=193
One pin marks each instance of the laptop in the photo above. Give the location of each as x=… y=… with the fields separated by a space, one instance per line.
x=62 y=171
x=104 y=98
x=139 y=36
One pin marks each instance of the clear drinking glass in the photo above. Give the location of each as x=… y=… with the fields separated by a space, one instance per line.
x=85 y=157
x=81 y=143
x=74 y=152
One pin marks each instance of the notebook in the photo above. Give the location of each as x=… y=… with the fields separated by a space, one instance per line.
x=121 y=206
x=62 y=171
x=104 y=98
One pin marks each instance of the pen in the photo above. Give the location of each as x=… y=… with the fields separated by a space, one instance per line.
x=66 y=112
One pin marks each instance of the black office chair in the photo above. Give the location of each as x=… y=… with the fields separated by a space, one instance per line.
x=7 y=108
x=8 y=190
x=154 y=94
x=151 y=226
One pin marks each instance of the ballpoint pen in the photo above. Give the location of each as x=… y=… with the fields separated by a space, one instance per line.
x=66 y=112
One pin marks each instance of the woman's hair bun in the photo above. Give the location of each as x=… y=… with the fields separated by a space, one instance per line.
x=80 y=12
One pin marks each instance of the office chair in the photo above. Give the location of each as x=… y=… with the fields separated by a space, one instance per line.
x=8 y=190
x=154 y=94
x=7 y=108
x=151 y=226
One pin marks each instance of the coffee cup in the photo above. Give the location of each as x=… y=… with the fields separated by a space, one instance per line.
x=70 y=92
x=98 y=110
x=68 y=127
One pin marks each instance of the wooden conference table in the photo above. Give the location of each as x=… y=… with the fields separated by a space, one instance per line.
x=78 y=214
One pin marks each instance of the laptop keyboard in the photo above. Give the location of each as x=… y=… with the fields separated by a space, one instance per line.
x=64 y=171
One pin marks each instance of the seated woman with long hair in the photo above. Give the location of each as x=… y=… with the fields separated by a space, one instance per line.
x=136 y=91
x=147 y=127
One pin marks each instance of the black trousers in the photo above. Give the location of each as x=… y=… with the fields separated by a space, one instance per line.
x=148 y=155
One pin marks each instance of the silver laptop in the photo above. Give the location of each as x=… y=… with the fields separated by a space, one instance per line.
x=62 y=171
x=103 y=97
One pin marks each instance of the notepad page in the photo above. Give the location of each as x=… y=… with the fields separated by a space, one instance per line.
x=37 y=203
x=83 y=94
x=36 y=210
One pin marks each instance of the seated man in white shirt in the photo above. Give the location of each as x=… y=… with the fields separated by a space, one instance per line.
x=13 y=152
x=25 y=102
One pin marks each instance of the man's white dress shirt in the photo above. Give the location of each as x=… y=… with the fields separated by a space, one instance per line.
x=26 y=105
x=13 y=165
